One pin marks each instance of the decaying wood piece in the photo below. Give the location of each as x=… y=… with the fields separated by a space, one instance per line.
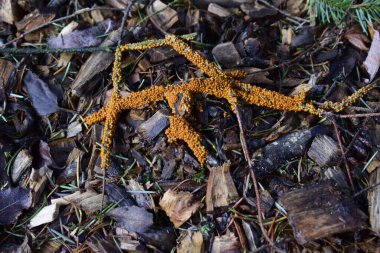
x=320 y=210
x=178 y=206
x=324 y=150
x=221 y=190
x=162 y=15
x=374 y=202
x=283 y=150
x=337 y=174
x=151 y=128
x=191 y=243
x=46 y=215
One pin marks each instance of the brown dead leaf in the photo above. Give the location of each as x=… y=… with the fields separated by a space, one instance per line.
x=372 y=62
x=221 y=190
x=191 y=243
x=133 y=218
x=31 y=21
x=357 y=38
x=295 y=7
x=178 y=206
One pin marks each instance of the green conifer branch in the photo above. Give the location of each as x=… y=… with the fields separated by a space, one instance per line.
x=333 y=11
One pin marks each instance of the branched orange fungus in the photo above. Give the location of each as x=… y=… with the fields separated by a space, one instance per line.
x=178 y=96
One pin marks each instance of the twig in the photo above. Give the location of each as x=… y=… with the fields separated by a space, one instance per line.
x=54 y=50
x=254 y=179
x=60 y=19
x=343 y=153
x=286 y=14
x=78 y=50
x=366 y=189
x=360 y=115
x=126 y=13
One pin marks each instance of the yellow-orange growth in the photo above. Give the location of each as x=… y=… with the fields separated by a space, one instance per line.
x=178 y=96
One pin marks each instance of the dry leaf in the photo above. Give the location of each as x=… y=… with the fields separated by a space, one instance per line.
x=221 y=190
x=295 y=7
x=133 y=218
x=12 y=202
x=357 y=38
x=8 y=11
x=178 y=206
x=372 y=62
x=81 y=38
x=43 y=99
x=191 y=243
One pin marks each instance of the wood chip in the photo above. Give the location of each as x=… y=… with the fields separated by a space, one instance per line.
x=320 y=210
x=191 y=243
x=162 y=15
x=218 y=10
x=221 y=190
x=374 y=201
x=22 y=162
x=226 y=54
x=7 y=72
x=37 y=187
x=151 y=128
x=137 y=192
x=324 y=150
x=226 y=243
x=46 y=215
x=178 y=206
x=94 y=65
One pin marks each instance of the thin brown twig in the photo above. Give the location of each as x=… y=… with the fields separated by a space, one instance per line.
x=286 y=14
x=343 y=153
x=360 y=115
x=78 y=12
x=254 y=179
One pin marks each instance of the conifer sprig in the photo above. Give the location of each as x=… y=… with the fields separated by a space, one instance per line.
x=333 y=11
